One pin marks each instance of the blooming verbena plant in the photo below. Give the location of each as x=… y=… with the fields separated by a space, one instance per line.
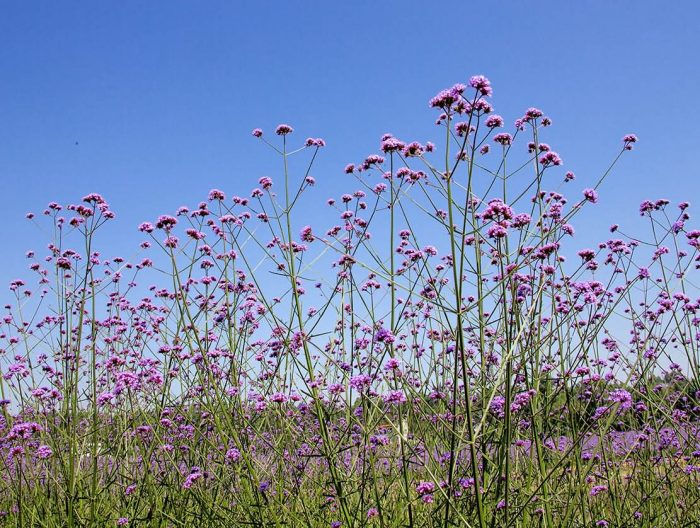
x=441 y=352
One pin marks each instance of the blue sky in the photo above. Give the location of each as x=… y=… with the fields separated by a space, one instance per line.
x=152 y=103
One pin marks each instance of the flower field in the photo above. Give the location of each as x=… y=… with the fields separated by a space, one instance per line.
x=440 y=351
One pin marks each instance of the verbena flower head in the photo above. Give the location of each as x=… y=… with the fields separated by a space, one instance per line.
x=629 y=140
x=590 y=195
x=283 y=130
x=503 y=138
x=481 y=84
x=494 y=121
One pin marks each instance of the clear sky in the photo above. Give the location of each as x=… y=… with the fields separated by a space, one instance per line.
x=152 y=103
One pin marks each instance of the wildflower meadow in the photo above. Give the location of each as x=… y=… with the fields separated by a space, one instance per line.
x=437 y=351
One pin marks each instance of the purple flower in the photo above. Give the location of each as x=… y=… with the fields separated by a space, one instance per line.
x=622 y=397
x=494 y=121
x=360 y=382
x=414 y=149
x=497 y=210
x=446 y=98
x=15 y=452
x=532 y=113
x=497 y=231
x=497 y=406
x=216 y=194
x=391 y=144
x=550 y=158
x=385 y=336
x=392 y=364
x=315 y=142
x=193 y=477
x=395 y=397
x=590 y=195
x=481 y=84
x=283 y=130
x=279 y=397
x=233 y=455
x=596 y=490
x=628 y=140
x=424 y=487
x=503 y=138
x=44 y=452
